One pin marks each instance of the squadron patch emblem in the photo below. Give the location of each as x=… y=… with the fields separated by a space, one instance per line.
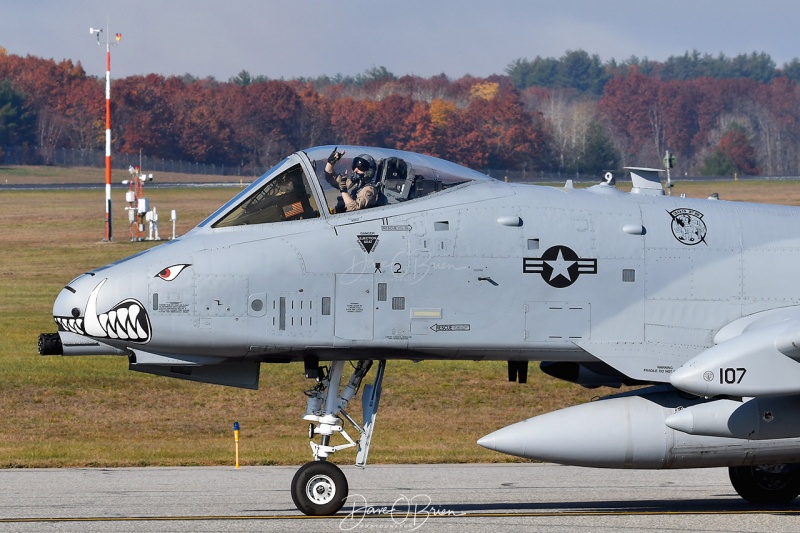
x=688 y=226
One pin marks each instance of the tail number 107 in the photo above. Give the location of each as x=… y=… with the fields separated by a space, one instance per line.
x=731 y=376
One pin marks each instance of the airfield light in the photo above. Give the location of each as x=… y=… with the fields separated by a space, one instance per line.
x=174 y=218
x=92 y=31
x=236 y=441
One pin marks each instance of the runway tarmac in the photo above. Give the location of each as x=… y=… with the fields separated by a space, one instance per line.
x=448 y=498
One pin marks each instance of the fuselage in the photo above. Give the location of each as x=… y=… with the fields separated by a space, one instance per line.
x=479 y=270
x=605 y=287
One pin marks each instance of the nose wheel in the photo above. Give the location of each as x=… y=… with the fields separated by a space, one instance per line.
x=319 y=488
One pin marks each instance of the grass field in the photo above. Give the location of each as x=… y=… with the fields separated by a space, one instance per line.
x=84 y=411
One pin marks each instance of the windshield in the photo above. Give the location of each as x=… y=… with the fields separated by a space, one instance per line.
x=398 y=176
x=288 y=190
x=286 y=196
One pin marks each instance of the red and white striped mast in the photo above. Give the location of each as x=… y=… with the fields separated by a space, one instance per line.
x=109 y=232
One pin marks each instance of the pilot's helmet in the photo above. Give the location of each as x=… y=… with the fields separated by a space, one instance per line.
x=366 y=164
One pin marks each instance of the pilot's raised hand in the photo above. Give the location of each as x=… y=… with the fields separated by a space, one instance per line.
x=335 y=156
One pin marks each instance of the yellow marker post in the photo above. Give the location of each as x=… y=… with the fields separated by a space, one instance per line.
x=236 y=440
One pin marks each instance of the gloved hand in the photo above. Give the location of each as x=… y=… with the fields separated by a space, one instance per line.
x=342 y=183
x=335 y=156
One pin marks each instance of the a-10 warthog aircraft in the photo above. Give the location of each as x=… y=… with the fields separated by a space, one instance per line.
x=699 y=298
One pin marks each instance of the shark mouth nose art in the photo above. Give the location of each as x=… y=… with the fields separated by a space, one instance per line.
x=127 y=320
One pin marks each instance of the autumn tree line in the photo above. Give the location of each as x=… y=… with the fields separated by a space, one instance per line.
x=571 y=115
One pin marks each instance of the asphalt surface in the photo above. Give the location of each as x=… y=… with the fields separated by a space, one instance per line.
x=449 y=498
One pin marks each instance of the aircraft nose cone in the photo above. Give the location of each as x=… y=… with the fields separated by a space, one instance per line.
x=682 y=420
x=70 y=305
x=487 y=441
x=508 y=440
x=686 y=378
x=71 y=301
x=67 y=308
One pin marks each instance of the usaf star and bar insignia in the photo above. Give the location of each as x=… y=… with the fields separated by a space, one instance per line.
x=559 y=266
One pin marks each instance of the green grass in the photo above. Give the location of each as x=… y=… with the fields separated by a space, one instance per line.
x=91 y=411
x=10 y=175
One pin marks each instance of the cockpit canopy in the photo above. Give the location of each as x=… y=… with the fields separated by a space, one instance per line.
x=298 y=188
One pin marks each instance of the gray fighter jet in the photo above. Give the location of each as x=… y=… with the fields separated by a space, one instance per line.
x=698 y=299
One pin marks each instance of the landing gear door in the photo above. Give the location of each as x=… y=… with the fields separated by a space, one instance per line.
x=354 y=307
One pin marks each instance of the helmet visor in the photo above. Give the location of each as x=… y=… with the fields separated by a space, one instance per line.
x=361 y=164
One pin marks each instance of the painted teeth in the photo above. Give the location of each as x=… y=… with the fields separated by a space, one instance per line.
x=126 y=321
x=75 y=325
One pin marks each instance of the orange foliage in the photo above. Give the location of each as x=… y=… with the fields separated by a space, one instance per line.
x=484 y=91
x=441 y=111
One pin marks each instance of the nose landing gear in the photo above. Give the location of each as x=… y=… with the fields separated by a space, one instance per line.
x=320 y=488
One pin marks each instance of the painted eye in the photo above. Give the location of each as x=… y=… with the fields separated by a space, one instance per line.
x=171 y=272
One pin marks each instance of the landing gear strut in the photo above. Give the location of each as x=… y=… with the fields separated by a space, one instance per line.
x=319 y=487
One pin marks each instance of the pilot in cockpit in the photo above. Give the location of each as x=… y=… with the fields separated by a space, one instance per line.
x=358 y=191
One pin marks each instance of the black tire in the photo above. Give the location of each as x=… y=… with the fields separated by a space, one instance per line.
x=319 y=488
x=766 y=483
